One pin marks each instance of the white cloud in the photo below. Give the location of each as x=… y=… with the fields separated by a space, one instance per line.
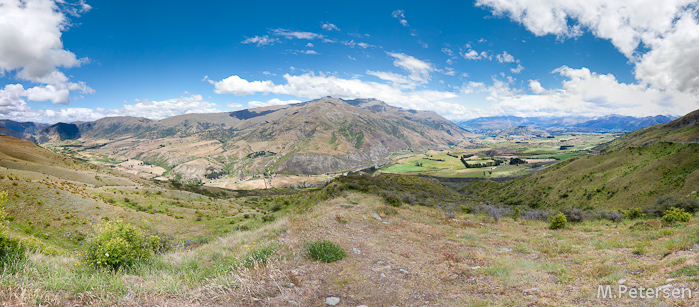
x=505 y=57
x=261 y=40
x=400 y=15
x=313 y=52
x=30 y=45
x=271 y=102
x=48 y=92
x=517 y=69
x=329 y=27
x=419 y=70
x=474 y=55
x=536 y=87
x=309 y=45
x=660 y=37
x=311 y=86
x=585 y=93
x=398 y=80
x=166 y=108
x=296 y=34
x=448 y=51
x=11 y=101
x=234 y=105
x=13 y=107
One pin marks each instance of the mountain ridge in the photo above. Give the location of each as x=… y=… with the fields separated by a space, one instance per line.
x=319 y=136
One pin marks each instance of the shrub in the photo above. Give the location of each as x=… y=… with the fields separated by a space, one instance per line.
x=633 y=213
x=614 y=216
x=675 y=215
x=325 y=251
x=117 y=244
x=666 y=202
x=557 y=221
x=574 y=215
x=391 y=198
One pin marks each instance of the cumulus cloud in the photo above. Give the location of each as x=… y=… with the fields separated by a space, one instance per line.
x=290 y=34
x=234 y=105
x=517 y=69
x=30 y=45
x=329 y=27
x=261 y=40
x=11 y=101
x=400 y=15
x=536 y=87
x=474 y=55
x=271 y=102
x=505 y=57
x=13 y=107
x=660 y=37
x=585 y=93
x=419 y=70
x=311 y=86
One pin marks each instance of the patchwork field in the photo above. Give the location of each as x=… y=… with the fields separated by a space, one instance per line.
x=537 y=152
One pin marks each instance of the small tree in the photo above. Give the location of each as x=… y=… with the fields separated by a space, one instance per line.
x=558 y=221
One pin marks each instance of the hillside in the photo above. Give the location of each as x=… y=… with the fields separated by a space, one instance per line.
x=682 y=130
x=417 y=253
x=631 y=171
x=315 y=137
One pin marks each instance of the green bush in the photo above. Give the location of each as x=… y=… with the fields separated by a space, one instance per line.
x=325 y=251
x=675 y=215
x=117 y=244
x=558 y=221
x=633 y=213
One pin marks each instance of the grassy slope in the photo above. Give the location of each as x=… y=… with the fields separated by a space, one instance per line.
x=624 y=178
x=57 y=199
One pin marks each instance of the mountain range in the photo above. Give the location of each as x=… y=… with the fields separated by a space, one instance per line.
x=609 y=123
x=319 y=136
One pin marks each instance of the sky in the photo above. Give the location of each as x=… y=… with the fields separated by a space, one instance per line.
x=74 y=60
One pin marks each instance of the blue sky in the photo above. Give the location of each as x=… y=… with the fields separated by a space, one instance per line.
x=70 y=61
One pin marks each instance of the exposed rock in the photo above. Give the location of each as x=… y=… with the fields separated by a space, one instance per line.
x=332 y=301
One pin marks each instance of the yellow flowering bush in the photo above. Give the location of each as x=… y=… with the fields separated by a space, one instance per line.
x=117 y=244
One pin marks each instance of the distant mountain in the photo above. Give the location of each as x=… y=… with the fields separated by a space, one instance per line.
x=23 y=130
x=319 y=136
x=520 y=132
x=609 y=123
x=59 y=132
x=631 y=171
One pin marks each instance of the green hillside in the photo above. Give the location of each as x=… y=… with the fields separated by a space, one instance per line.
x=632 y=171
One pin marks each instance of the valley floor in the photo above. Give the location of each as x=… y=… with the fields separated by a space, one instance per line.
x=404 y=256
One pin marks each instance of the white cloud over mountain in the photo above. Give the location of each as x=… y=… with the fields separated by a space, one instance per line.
x=20 y=111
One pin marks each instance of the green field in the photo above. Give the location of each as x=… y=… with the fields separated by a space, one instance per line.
x=428 y=163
